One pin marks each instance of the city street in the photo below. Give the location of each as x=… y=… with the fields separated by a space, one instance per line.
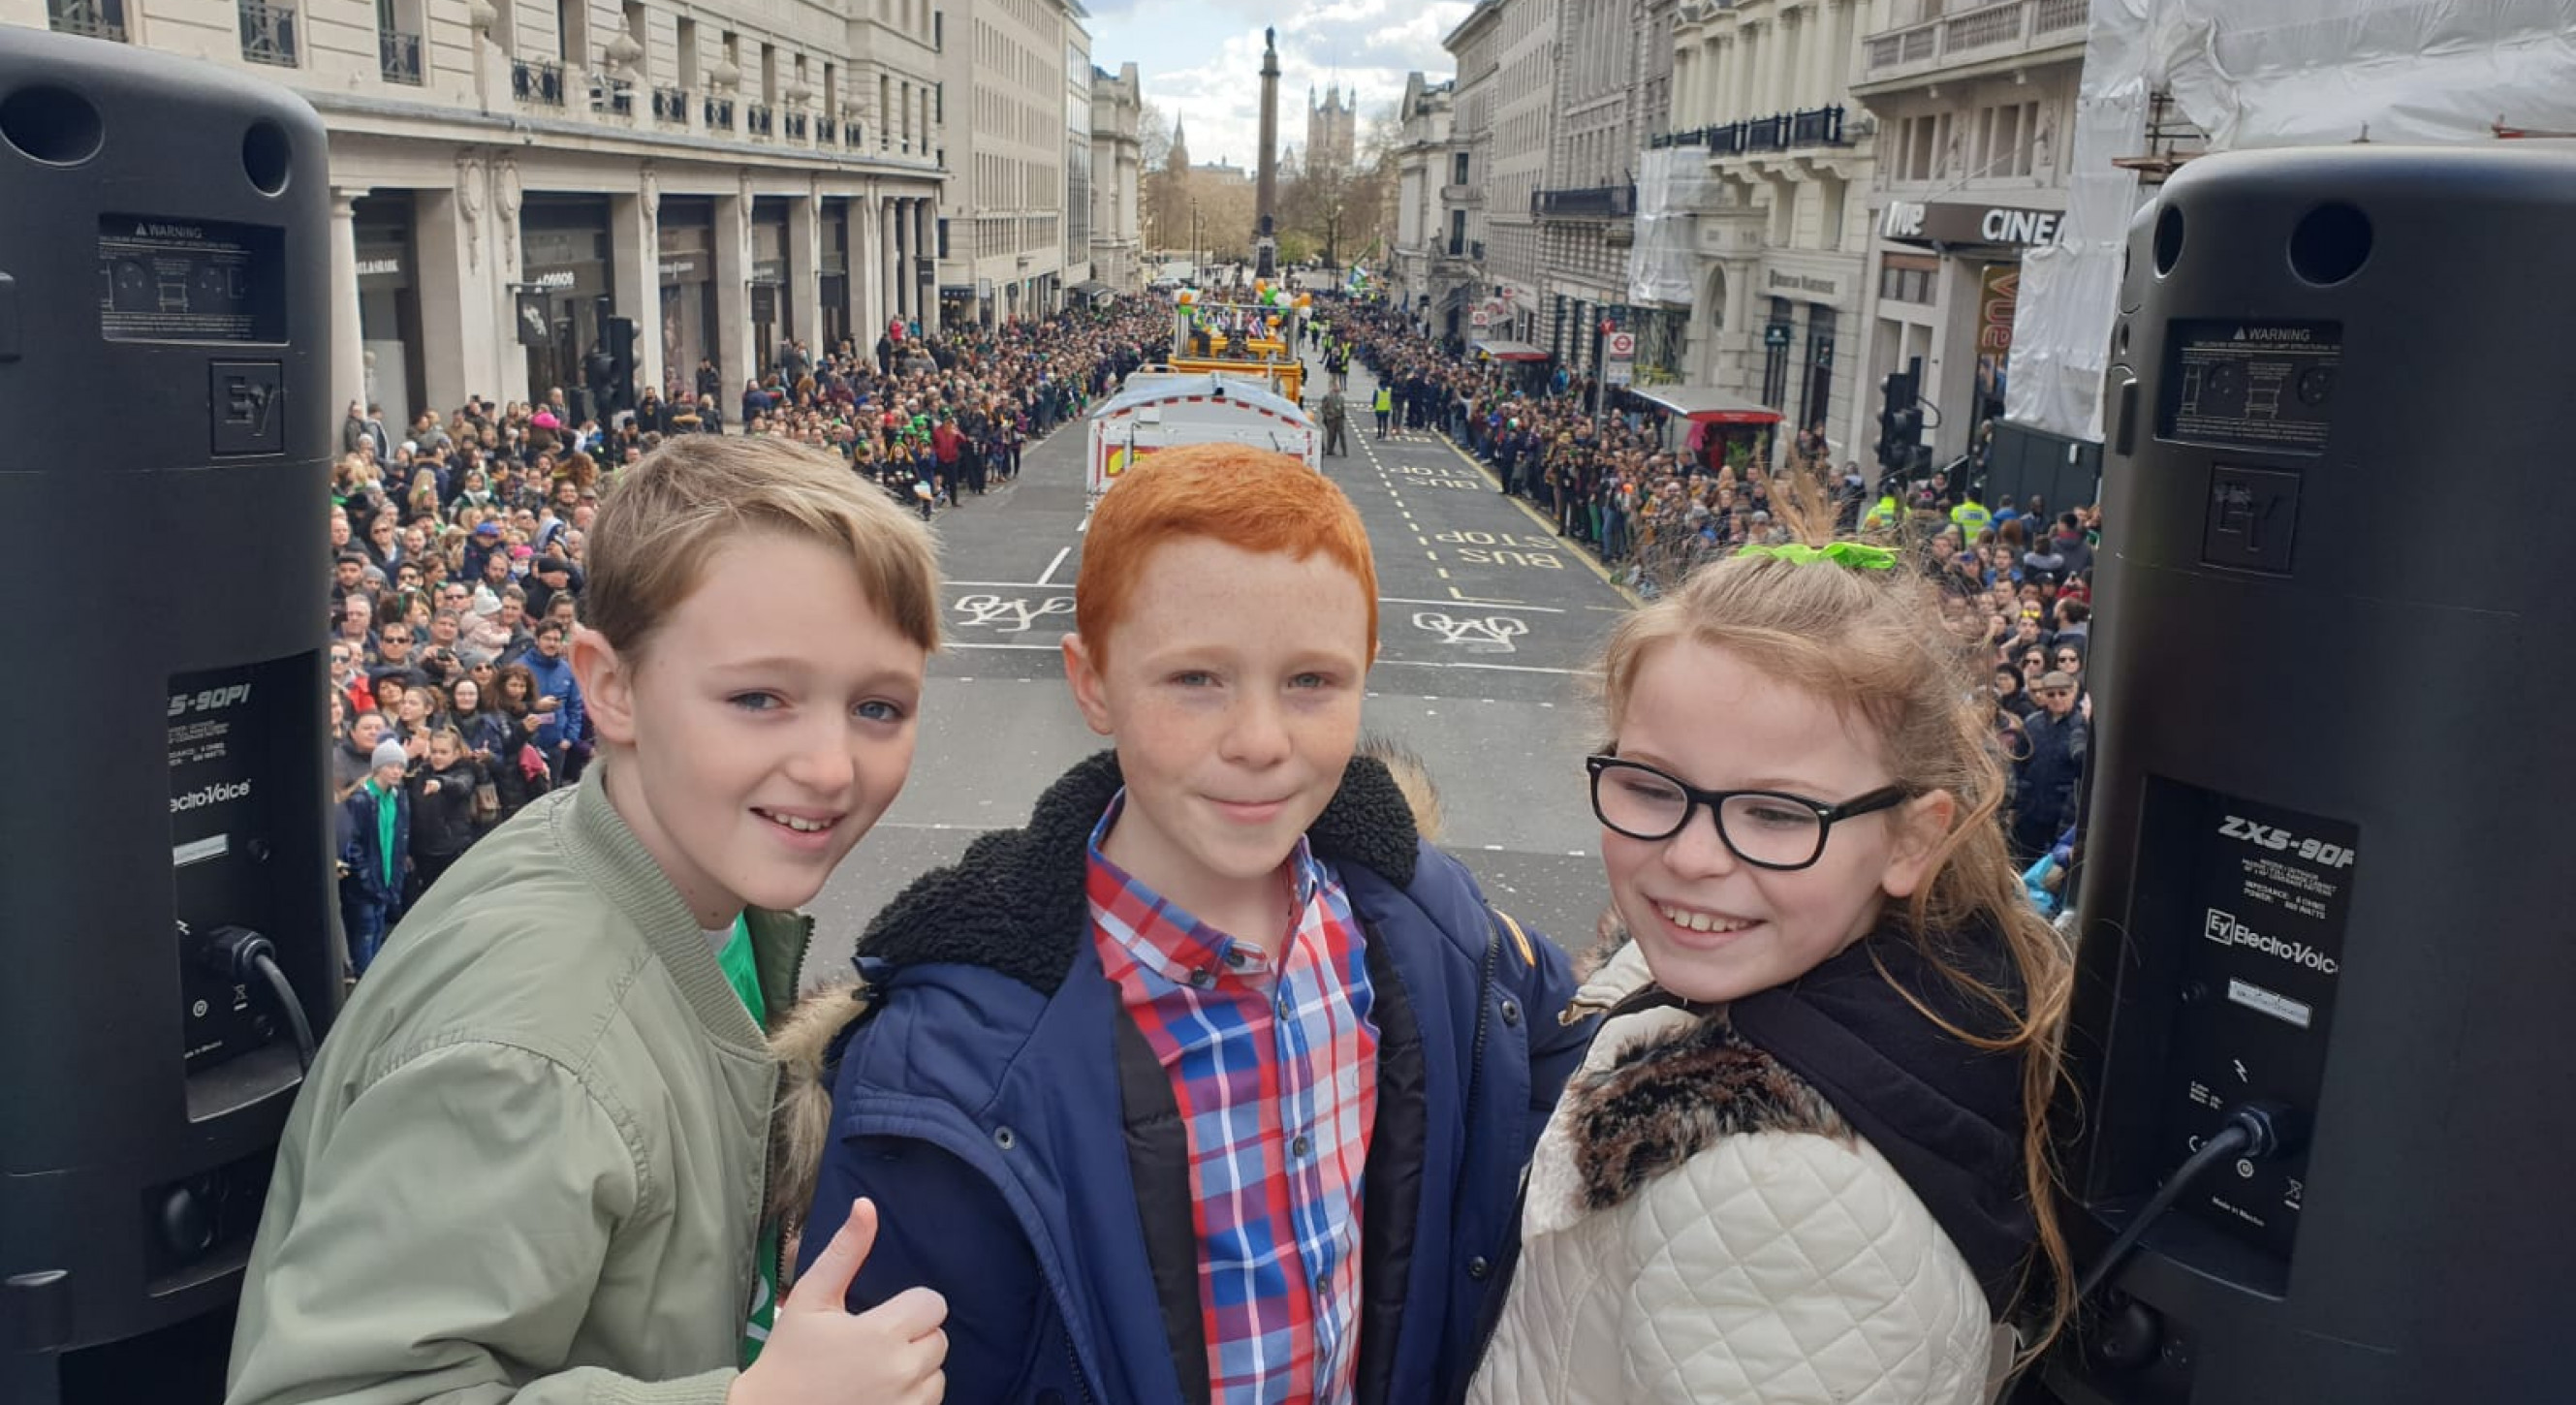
x=1487 y=622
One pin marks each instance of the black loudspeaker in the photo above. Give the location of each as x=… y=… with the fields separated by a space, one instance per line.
x=2329 y=770
x=165 y=854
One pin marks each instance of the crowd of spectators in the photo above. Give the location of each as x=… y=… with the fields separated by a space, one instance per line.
x=1651 y=497
x=459 y=547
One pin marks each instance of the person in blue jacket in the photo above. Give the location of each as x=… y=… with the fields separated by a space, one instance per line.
x=555 y=715
x=1215 y=1081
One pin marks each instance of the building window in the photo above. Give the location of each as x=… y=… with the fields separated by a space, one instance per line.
x=398 y=41
x=268 y=33
x=1816 y=393
x=1907 y=278
x=572 y=32
x=95 y=19
x=1776 y=337
x=1458 y=169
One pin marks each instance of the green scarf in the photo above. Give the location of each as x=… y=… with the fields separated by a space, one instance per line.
x=743 y=974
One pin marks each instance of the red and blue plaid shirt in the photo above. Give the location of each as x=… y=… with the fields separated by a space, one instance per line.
x=1274 y=1066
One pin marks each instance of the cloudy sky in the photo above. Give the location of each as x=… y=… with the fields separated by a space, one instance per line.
x=1201 y=59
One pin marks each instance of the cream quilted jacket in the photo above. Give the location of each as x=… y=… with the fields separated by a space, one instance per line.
x=1783 y=1262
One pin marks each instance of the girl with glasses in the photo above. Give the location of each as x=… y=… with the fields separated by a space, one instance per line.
x=1806 y=1157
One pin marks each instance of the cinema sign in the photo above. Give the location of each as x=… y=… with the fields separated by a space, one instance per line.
x=1954 y=222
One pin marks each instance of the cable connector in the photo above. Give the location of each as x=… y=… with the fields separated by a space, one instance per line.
x=2270 y=1129
x=233 y=952
x=2253 y=1131
x=242 y=955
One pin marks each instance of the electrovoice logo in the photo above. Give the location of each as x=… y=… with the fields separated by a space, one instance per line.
x=203 y=796
x=2224 y=929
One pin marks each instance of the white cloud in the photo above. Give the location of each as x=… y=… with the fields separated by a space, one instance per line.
x=1200 y=60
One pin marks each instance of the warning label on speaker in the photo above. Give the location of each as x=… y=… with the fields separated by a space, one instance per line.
x=173 y=279
x=2266 y=386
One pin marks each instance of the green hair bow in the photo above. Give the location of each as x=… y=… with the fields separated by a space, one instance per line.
x=1859 y=556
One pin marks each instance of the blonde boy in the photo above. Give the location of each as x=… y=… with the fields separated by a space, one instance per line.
x=528 y=1163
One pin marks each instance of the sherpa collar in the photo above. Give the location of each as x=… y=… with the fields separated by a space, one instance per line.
x=1015 y=903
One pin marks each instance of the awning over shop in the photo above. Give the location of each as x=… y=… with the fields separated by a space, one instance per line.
x=1707 y=402
x=1090 y=290
x=1510 y=351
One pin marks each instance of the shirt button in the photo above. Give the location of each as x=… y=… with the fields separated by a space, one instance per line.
x=1323 y=1284
x=1479 y=1268
x=1511 y=1012
x=1287 y=1007
x=1301 y=1146
x=1202 y=977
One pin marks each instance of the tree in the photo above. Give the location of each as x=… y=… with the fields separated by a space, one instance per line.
x=1153 y=137
x=1343 y=213
x=1165 y=192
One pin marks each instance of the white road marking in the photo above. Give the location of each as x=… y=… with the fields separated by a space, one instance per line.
x=1448 y=663
x=1049 y=573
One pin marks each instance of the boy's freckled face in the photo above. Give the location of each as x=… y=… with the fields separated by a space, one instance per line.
x=771 y=722
x=1233 y=689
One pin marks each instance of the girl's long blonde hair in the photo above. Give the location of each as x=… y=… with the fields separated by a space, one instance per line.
x=1874 y=641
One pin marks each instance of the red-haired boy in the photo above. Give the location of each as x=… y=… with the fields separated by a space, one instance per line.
x=1214 y=1083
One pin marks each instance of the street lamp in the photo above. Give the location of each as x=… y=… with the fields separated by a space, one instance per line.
x=1195 y=275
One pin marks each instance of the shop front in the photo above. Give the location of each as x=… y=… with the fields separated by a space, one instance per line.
x=1715 y=428
x=690 y=323
x=566 y=291
x=835 y=258
x=389 y=307
x=1967 y=278
x=686 y=249
x=773 y=312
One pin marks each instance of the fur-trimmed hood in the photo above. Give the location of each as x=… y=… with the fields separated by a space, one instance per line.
x=1839 y=1053
x=1016 y=904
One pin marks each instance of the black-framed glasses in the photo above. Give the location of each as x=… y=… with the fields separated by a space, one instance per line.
x=1765 y=828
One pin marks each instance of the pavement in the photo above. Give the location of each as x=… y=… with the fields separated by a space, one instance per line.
x=1487 y=621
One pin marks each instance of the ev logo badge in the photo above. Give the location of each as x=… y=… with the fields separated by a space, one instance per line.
x=2224 y=929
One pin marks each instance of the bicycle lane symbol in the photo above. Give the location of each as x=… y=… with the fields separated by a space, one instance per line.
x=1009 y=614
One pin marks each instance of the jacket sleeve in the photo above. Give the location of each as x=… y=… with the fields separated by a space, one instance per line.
x=939 y=1226
x=1556 y=1050
x=1783 y=1268
x=572 y=712
x=440 y=1241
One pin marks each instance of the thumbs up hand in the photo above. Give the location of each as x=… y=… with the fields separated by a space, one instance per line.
x=820 y=1352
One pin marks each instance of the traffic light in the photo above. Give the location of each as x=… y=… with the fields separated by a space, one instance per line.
x=1900 y=423
x=621 y=366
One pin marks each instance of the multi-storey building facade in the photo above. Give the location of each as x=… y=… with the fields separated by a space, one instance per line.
x=1424 y=118
x=511 y=180
x=1611 y=88
x=1117 y=174
x=1522 y=115
x=1077 y=160
x=1467 y=197
x=1004 y=101
x=1762 y=92
x=1975 y=106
